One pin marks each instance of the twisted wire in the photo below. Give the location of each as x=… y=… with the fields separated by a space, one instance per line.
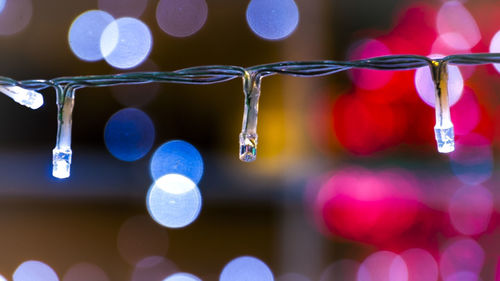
x=220 y=73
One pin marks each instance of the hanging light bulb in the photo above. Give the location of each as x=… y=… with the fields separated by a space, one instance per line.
x=61 y=154
x=443 y=130
x=248 y=136
x=28 y=98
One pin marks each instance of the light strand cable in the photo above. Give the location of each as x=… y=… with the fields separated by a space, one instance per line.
x=26 y=92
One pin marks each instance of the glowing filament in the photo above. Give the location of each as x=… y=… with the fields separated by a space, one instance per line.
x=61 y=155
x=28 y=98
x=248 y=136
x=445 y=136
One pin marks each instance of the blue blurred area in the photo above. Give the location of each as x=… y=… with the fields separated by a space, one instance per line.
x=177 y=157
x=129 y=134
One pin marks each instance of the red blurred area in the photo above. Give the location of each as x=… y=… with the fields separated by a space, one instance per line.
x=366 y=78
x=367 y=206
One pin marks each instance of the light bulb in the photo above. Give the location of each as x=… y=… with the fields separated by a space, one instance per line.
x=248 y=136
x=443 y=130
x=61 y=162
x=28 y=98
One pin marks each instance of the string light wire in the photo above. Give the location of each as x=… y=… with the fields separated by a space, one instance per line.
x=26 y=92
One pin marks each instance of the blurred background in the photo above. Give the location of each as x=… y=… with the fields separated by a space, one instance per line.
x=347 y=184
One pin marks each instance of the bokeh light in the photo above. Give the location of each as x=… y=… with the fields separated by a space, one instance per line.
x=272 y=19
x=129 y=134
x=246 y=268
x=367 y=78
x=369 y=199
x=470 y=209
x=126 y=42
x=426 y=88
x=472 y=160
x=383 y=266
x=182 y=277
x=140 y=237
x=466 y=113
x=34 y=271
x=342 y=270
x=364 y=127
x=461 y=255
x=421 y=265
x=2 y=5
x=15 y=16
x=174 y=201
x=85 y=272
x=137 y=95
x=181 y=18
x=457 y=25
x=463 y=276
x=292 y=277
x=495 y=47
x=123 y=8
x=177 y=157
x=84 y=35
x=153 y=268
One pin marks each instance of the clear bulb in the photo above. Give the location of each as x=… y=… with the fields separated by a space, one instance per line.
x=61 y=163
x=248 y=136
x=445 y=138
x=443 y=131
x=28 y=98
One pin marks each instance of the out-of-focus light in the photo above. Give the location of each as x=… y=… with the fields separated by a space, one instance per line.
x=421 y=265
x=497 y=278
x=455 y=20
x=2 y=5
x=126 y=42
x=463 y=276
x=341 y=270
x=154 y=268
x=472 y=161
x=137 y=95
x=1 y=277
x=85 y=272
x=461 y=255
x=181 y=18
x=34 y=271
x=28 y=98
x=495 y=47
x=123 y=8
x=272 y=19
x=367 y=198
x=84 y=35
x=426 y=88
x=182 y=277
x=129 y=134
x=246 y=269
x=174 y=201
x=140 y=237
x=15 y=16
x=470 y=209
x=466 y=113
x=441 y=46
x=292 y=277
x=364 y=128
x=366 y=78
x=177 y=157
x=383 y=266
